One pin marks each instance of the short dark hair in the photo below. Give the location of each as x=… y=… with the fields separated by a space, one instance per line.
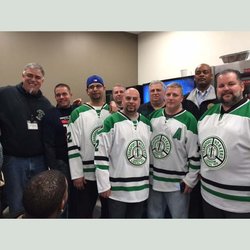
x=226 y=71
x=204 y=64
x=118 y=85
x=62 y=85
x=44 y=193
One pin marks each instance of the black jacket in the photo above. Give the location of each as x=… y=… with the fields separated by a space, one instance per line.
x=189 y=103
x=54 y=138
x=146 y=109
x=17 y=107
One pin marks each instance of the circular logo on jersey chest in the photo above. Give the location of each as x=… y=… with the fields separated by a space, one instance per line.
x=93 y=135
x=213 y=152
x=161 y=146
x=136 y=153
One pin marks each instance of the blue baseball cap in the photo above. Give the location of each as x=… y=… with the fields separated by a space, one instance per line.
x=94 y=79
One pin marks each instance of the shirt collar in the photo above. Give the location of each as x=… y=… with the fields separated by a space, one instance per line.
x=206 y=92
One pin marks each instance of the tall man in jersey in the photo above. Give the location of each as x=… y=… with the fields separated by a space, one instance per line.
x=224 y=138
x=122 y=159
x=84 y=124
x=175 y=161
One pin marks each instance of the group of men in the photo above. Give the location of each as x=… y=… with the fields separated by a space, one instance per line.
x=197 y=169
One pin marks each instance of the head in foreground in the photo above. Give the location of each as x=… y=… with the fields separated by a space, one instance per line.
x=45 y=195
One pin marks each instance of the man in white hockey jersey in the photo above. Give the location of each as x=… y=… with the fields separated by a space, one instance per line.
x=122 y=159
x=84 y=123
x=175 y=158
x=224 y=137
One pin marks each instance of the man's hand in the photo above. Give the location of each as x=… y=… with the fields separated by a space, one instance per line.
x=113 y=107
x=79 y=183
x=105 y=194
x=187 y=189
x=77 y=102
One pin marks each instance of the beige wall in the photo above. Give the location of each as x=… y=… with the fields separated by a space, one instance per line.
x=70 y=57
x=162 y=55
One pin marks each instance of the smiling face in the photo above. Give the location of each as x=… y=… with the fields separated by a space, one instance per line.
x=157 y=94
x=131 y=102
x=117 y=94
x=62 y=96
x=96 y=92
x=229 y=89
x=32 y=79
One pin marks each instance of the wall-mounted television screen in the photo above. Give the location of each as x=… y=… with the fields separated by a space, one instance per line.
x=187 y=84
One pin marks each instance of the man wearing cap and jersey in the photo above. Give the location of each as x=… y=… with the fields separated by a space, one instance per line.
x=84 y=123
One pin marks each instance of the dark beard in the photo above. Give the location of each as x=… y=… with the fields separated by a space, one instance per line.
x=232 y=102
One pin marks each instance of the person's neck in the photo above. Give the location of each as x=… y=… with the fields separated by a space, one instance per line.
x=30 y=92
x=172 y=112
x=132 y=117
x=119 y=105
x=157 y=105
x=97 y=103
x=226 y=108
x=63 y=107
x=203 y=89
x=240 y=101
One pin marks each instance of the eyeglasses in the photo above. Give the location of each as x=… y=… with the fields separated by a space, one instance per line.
x=31 y=76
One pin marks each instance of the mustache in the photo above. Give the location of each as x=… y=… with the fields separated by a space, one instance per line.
x=227 y=92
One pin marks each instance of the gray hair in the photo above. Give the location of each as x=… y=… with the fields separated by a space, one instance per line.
x=157 y=82
x=34 y=66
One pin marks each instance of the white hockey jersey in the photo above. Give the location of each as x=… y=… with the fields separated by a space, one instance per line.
x=122 y=158
x=174 y=150
x=84 y=123
x=225 y=151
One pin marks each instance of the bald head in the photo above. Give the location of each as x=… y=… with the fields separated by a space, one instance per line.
x=131 y=102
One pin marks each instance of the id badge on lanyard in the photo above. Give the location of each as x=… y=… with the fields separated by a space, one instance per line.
x=32 y=125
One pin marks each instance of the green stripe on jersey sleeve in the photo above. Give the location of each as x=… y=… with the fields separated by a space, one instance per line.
x=76 y=112
x=146 y=121
x=102 y=167
x=110 y=121
x=243 y=111
x=189 y=120
x=213 y=110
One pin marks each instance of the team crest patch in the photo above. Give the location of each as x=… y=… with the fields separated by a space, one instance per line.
x=136 y=153
x=40 y=114
x=213 y=152
x=161 y=146
x=94 y=134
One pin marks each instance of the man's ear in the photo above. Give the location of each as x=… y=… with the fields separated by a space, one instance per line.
x=62 y=205
x=65 y=199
